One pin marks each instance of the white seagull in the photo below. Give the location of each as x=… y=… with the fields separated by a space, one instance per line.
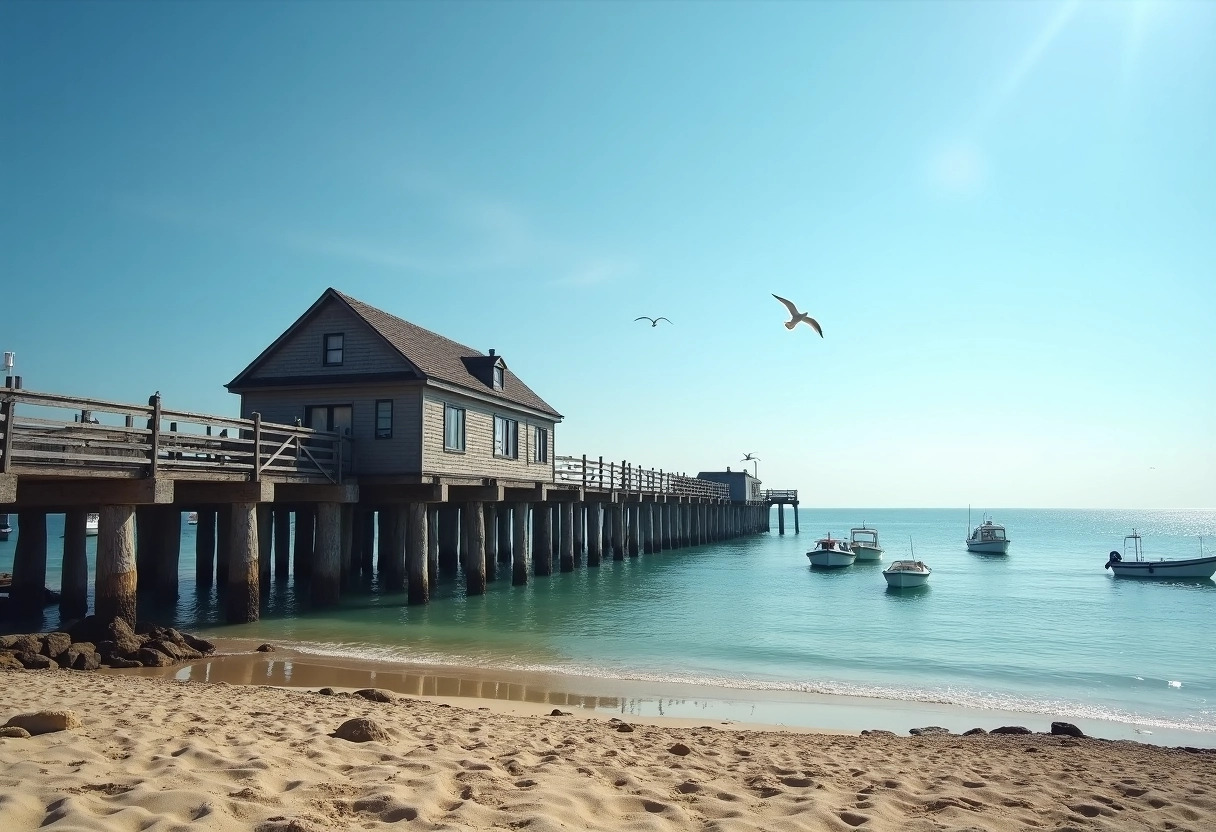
x=797 y=317
x=653 y=321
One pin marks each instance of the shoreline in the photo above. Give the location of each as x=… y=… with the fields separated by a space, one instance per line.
x=236 y=662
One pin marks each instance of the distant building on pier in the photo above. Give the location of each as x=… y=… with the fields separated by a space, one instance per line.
x=744 y=488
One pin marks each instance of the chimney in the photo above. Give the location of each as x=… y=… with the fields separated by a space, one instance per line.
x=491 y=353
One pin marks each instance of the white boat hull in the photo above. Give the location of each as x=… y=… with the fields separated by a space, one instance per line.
x=1192 y=568
x=867 y=552
x=825 y=559
x=988 y=547
x=902 y=580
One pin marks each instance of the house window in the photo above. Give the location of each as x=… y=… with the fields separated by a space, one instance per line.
x=453 y=428
x=498 y=377
x=384 y=418
x=333 y=349
x=336 y=418
x=506 y=437
x=540 y=447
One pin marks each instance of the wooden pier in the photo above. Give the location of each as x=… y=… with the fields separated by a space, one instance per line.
x=251 y=482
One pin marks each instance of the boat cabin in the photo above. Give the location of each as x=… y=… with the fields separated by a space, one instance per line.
x=864 y=537
x=988 y=532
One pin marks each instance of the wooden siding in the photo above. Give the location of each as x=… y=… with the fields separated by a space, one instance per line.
x=399 y=455
x=302 y=354
x=478 y=458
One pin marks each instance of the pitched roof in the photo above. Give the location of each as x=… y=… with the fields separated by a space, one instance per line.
x=436 y=357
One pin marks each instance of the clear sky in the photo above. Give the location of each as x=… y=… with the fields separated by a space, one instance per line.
x=1003 y=215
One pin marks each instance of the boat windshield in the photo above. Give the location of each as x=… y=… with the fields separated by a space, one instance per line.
x=867 y=536
x=991 y=533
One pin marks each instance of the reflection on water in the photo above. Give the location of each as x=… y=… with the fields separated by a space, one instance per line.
x=908 y=593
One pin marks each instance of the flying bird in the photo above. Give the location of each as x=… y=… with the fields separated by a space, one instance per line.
x=797 y=317
x=653 y=321
x=749 y=458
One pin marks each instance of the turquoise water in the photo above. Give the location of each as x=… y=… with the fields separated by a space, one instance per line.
x=1043 y=630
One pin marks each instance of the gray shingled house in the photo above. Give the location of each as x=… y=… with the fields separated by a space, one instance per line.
x=417 y=406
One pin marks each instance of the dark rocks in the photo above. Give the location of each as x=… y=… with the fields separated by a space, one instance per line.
x=375 y=694
x=55 y=645
x=86 y=660
x=200 y=644
x=27 y=644
x=361 y=729
x=265 y=648
x=877 y=733
x=8 y=642
x=153 y=658
x=558 y=712
x=69 y=657
x=974 y=731
x=120 y=662
x=930 y=729
x=680 y=750
x=35 y=661
x=1011 y=729
x=1066 y=729
x=624 y=728
x=327 y=691
x=9 y=662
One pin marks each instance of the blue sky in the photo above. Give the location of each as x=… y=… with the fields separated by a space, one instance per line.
x=1003 y=215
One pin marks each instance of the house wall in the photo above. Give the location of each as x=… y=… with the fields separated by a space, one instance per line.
x=743 y=486
x=478 y=458
x=402 y=454
x=364 y=351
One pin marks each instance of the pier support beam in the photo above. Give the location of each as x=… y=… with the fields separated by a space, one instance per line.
x=243 y=599
x=542 y=539
x=265 y=544
x=475 y=557
x=504 y=533
x=618 y=531
x=367 y=545
x=490 y=517
x=595 y=535
x=633 y=540
x=74 y=586
x=282 y=540
x=394 y=530
x=145 y=546
x=167 y=553
x=449 y=539
x=580 y=532
x=795 y=518
x=304 y=543
x=326 y=582
x=781 y=518
x=419 y=583
x=28 y=592
x=204 y=548
x=432 y=547
x=116 y=578
x=567 y=544
x=519 y=544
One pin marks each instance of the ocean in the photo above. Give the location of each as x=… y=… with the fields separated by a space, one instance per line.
x=746 y=630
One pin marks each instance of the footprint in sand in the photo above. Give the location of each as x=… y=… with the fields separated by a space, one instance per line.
x=974 y=784
x=852 y=818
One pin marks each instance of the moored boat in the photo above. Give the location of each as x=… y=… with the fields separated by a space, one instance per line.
x=831 y=553
x=1200 y=567
x=864 y=543
x=907 y=573
x=988 y=538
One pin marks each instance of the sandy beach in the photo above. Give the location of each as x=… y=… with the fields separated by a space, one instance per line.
x=157 y=753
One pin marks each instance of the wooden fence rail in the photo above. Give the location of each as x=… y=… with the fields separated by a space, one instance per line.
x=597 y=475
x=789 y=496
x=126 y=440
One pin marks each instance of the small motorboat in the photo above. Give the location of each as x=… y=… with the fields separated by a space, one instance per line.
x=987 y=538
x=864 y=543
x=907 y=573
x=831 y=553
x=91 y=522
x=1200 y=567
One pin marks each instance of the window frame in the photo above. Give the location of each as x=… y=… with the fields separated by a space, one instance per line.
x=376 y=419
x=499 y=377
x=510 y=436
x=452 y=408
x=326 y=349
x=540 y=449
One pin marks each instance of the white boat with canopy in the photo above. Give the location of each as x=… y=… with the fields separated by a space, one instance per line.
x=987 y=538
x=864 y=543
x=831 y=553
x=1135 y=566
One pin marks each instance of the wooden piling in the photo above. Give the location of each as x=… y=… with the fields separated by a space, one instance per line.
x=542 y=539
x=490 y=520
x=795 y=518
x=282 y=540
x=223 y=545
x=367 y=552
x=633 y=536
x=618 y=531
x=432 y=546
x=566 y=558
x=781 y=518
x=265 y=516
x=504 y=533
x=168 y=550
x=116 y=578
x=146 y=535
x=326 y=579
x=475 y=557
x=519 y=544
x=28 y=591
x=204 y=548
x=243 y=598
x=74 y=587
x=305 y=543
x=580 y=532
x=419 y=583
x=595 y=537
x=394 y=528
x=449 y=539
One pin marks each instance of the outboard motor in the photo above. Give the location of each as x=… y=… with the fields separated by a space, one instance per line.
x=1115 y=557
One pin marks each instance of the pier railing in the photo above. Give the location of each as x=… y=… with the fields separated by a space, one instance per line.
x=625 y=477
x=130 y=440
x=788 y=496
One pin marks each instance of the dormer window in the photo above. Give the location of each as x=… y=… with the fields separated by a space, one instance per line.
x=498 y=376
x=333 y=349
